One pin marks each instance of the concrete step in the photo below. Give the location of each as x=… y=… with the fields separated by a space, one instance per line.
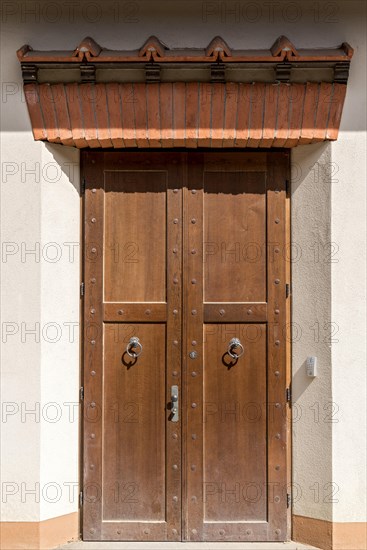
x=80 y=545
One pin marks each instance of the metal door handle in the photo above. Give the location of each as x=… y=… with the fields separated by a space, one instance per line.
x=174 y=404
x=234 y=345
x=134 y=343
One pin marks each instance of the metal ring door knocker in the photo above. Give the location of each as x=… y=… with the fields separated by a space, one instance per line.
x=235 y=348
x=134 y=343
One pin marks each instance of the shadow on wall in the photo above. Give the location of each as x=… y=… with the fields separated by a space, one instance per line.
x=66 y=161
x=312 y=260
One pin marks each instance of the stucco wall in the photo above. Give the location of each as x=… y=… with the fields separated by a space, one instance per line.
x=311 y=311
x=348 y=287
x=20 y=303
x=38 y=209
x=59 y=350
x=40 y=329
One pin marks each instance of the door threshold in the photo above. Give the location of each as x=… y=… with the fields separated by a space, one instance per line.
x=290 y=545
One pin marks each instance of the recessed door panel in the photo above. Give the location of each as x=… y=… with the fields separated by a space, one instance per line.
x=134 y=424
x=235 y=416
x=135 y=236
x=234 y=237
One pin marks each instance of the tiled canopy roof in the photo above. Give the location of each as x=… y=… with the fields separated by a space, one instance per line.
x=155 y=50
x=185 y=114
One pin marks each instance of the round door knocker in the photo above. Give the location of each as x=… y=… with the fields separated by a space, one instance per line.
x=134 y=343
x=235 y=348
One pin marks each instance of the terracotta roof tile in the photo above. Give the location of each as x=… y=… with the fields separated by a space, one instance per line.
x=205 y=114
x=88 y=45
x=140 y=109
x=192 y=114
x=230 y=114
x=309 y=113
x=87 y=94
x=31 y=93
x=166 y=113
x=185 y=114
x=217 y=47
x=153 y=115
x=154 y=49
x=75 y=114
x=323 y=108
x=153 y=46
x=128 y=101
x=102 y=115
x=243 y=115
x=297 y=98
x=218 y=106
x=49 y=113
x=283 y=110
x=62 y=114
x=270 y=114
x=179 y=113
x=284 y=48
x=114 y=114
x=257 y=105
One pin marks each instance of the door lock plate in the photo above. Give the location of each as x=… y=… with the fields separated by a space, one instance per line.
x=174 y=404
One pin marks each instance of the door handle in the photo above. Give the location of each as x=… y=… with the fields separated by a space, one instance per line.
x=134 y=344
x=174 y=404
x=235 y=348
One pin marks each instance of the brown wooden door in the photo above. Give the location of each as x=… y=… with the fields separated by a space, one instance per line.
x=185 y=252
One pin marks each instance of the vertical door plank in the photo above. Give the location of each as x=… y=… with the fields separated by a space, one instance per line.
x=93 y=345
x=193 y=316
x=288 y=273
x=174 y=345
x=277 y=429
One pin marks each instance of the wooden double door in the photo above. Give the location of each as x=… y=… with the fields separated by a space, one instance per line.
x=185 y=378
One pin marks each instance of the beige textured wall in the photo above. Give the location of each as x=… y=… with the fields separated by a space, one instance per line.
x=311 y=311
x=348 y=290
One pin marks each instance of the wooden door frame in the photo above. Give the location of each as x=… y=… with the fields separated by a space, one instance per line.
x=288 y=353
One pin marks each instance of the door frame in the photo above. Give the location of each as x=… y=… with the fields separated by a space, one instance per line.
x=288 y=308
